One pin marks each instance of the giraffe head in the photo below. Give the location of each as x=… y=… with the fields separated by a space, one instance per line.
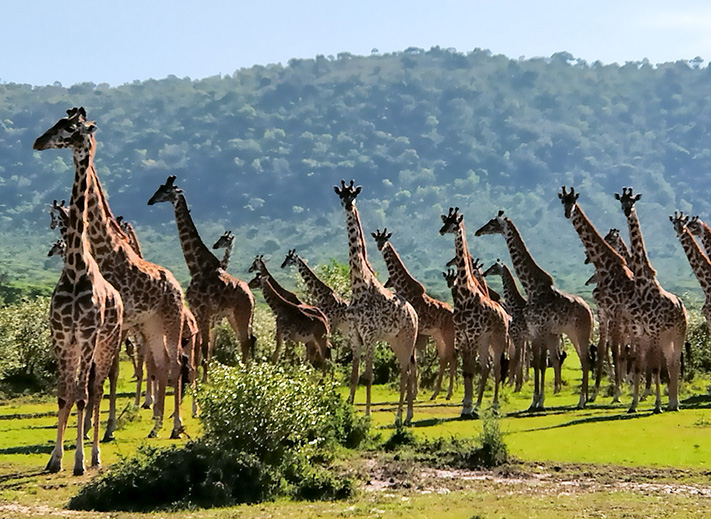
x=497 y=269
x=381 y=238
x=258 y=265
x=73 y=131
x=58 y=215
x=292 y=258
x=167 y=192
x=569 y=200
x=58 y=248
x=680 y=221
x=256 y=282
x=695 y=226
x=124 y=224
x=347 y=193
x=493 y=226
x=225 y=241
x=451 y=221
x=613 y=236
x=627 y=200
x=450 y=277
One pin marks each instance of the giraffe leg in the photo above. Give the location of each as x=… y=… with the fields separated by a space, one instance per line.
x=639 y=362
x=279 y=341
x=468 y=362
x=420 y=345
x=151 y=370
x=240 y=321
x=672 y=357
x=138 y=370
x=448 y=338
x=87 y=346
x=67 y=363
x=113 y=380
x=356 y=348
x=404 y=346
x=368 y=373
x=601 y=355
x=484 y=368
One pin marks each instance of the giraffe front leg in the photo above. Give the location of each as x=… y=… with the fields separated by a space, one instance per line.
x=368 y=374
x=356 y=346
x=468 y=362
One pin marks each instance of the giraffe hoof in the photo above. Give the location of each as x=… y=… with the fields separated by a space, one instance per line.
x=108 y=437
x=153 y=434
x=78 y=471
x=471 y=415
x=175 y=434
x=53 y=465
x=632 y=410
x=657 y=410
x=146 y=405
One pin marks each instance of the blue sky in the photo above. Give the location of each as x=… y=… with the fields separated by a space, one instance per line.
x=121 y=41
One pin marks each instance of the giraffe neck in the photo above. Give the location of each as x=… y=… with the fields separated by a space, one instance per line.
x=706 y=238
x=640 y=265
x=400 y=278
x=77 y=256
x=283 y=292
x=362 y=274
x=104 y=234
x=600 y=253
x=133 y=239
x=512 y=295
x=197 y=256
x=699 y=262
x=226 y=256
x=533 y=278
x=466 y=281
x=318 y=288
x=275 y=301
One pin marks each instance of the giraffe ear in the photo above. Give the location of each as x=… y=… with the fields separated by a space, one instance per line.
x=617 y=196
x=335 y=188
x=357 y=190
x=81 y=111
x=91 y=128
x=639 y=195
x=444 y=218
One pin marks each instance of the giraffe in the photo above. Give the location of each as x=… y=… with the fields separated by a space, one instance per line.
x=259 y=265
x=549 y=313
x=227 y=242
x=212 y=293
x=295 y=322
x=659 y=324
x=58 y=248
x=515 y=306
x=700 y=263
x=325 y=297
x=614 y=290
x=435 y=317
x=151 y=295
x=86 y=311
x=481 y=325
x=700 y=229
x=375 y=313
x=127 y=228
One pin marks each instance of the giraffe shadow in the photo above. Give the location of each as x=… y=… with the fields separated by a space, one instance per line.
x=42 y=448
x=697 y=402
x=28 y=416
x=592 y=419
x=15 y=479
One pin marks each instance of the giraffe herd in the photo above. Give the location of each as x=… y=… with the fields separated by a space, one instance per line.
x=108 y=291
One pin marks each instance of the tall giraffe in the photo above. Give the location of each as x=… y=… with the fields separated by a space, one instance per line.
x=435 y=317
x=86 y=311
x=550 y=312
x=295 y=322
x=614 y=290
x=259 y=265
x=515 y=306
x=700 y=263
x=480 y=324
x=212 y=292
x=151 y=295
x=325 y=297
x=227 y=242
x=375 y=313
x=660 y=317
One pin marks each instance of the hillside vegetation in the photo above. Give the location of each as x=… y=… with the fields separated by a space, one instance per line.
x=258 y=152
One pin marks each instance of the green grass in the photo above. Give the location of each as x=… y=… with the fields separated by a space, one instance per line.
x=602 y=434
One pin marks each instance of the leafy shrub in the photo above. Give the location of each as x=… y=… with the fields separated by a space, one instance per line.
x=27 y=362
x=697 y=336
x=268 y=432
x=268 y=410
x=494 y=450
x=403 y=436
x=196 y=474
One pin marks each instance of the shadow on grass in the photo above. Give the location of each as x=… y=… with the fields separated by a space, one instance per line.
x=591 y=419
x=27 y=416
x=15 y=479
x=696 y=402
x=43 y=448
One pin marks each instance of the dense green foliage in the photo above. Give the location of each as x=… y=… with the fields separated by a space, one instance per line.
x=26 y=360
x=258 y=151
x=267 y=432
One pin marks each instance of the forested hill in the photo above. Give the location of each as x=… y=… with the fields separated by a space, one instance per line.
x=258 y=152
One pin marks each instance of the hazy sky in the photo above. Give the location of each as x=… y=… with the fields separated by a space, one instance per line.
x=117 y=42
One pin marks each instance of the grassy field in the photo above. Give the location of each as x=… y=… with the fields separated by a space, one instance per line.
x=569 y=462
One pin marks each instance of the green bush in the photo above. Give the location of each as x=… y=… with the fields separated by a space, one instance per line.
x=268 y=432
x=196 y=474
x=697 y=336
x=27 y=362
x=268 y=410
